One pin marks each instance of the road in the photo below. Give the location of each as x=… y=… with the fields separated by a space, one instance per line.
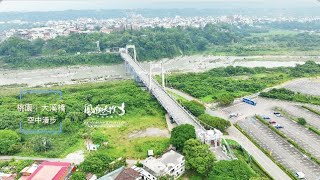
x=234 y=134
x=76 y=158
x=179 y=115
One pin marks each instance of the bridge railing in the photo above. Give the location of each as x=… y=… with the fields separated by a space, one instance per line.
x=160 y=87
x=179 y=105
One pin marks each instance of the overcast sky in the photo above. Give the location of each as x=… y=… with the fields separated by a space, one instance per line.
x=54 y=5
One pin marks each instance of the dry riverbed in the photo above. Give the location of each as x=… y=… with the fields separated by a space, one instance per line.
x=196 y=63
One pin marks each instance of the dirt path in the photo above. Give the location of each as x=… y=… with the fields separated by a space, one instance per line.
x=150 y=132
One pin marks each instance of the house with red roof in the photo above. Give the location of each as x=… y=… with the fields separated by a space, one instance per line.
x=51 y=171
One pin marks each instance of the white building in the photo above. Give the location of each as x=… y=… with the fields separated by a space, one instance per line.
x=210 y=137
x=170 y=163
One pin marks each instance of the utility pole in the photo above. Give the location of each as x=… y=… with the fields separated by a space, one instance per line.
x=98 y=46
x=162 y=75
x=150 y=68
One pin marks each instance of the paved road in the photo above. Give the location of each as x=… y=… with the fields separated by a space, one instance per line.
x=76 y=158
x=280 y=149
x=255 y=152
x=171 y=106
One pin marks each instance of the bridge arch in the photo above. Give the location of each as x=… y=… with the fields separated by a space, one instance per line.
x=133 y=47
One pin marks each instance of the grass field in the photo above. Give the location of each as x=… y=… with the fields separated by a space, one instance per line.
x=142 y=111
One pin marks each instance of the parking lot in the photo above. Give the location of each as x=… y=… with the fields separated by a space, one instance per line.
x=297 y=111
x=306 y=86
x=307 y=139
x=279 y=148
x=265 y=106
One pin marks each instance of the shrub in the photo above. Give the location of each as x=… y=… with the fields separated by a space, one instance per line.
x=236 y=169
x=98 y=137
x=78 y=175
x=41 y=144
x=225 y=99
x=302 y=121
x=10 y=142
x=215 y=122
x=194 y=107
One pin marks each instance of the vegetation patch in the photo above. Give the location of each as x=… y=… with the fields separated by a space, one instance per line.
x=286 y=94
x=142 y=112
x=220 y=84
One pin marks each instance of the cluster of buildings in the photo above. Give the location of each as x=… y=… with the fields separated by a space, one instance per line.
x=170 y=164
x=52 y=29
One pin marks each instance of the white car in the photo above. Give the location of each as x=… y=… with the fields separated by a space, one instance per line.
x=300 y=175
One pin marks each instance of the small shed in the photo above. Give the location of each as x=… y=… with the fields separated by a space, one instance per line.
x=92 y=147
x=150 y=153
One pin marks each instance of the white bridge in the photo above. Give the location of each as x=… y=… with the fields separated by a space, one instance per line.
x=173 y=108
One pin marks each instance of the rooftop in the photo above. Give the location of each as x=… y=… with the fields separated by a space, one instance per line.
x=171 y=157
x=163 y=164
x=128 y=174
x=50 y=170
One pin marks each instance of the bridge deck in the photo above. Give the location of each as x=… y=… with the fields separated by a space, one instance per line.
x=174 y=109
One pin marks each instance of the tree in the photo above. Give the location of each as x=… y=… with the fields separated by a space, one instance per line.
x=181 y=134
x=41 y=144
x=198 y=156
x=96 y=163
x=10 y=142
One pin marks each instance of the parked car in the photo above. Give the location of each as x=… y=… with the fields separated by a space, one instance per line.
x=300 y=175
x=265 y=117
x=232 y=115
x=272 y=122
x=277 y=114
x=278 y=126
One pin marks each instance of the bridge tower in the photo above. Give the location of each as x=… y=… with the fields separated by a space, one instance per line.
x=133 y=47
